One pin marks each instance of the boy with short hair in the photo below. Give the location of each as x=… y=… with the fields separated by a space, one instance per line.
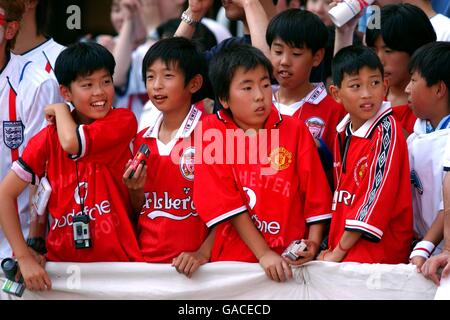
x=372 y=211
x=404 y=29
x=82 y=155
x=169 y=228
x=293 y=56
x=25 y=90
x=429 y=96
x=262 y=186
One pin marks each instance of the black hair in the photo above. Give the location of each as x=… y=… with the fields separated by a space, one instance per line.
x=299 y=29
x=404 y=27
x=203 y=38
x=432 y=62
x=82 y=59
x=181 y=52
x=224 y=65
x=351 y=59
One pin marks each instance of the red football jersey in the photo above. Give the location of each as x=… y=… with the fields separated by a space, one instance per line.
x=169 y=223
x=276 y=173
x=92 y=181
x=373 y=193
x=320 y=112
x=404 y=115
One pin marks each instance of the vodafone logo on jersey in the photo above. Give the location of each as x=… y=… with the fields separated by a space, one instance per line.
x=272 y=227
x=80 y=195
x=81 y=192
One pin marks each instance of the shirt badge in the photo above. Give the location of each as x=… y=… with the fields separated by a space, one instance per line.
x=360 y=170
x=280 y=158
x=316 y=126
x=187 y=163
x=13 y=134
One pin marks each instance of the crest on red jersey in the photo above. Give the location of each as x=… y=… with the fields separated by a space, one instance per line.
x=316 y=126
x=280 y=158
x=13 y=134
x=360 y=170
x=187 y=163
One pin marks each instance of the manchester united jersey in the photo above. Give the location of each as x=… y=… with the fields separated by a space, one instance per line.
x=91 y=184
x=169 y=223
x=373 y=193
x=24 y=92
x=317 y=110
x=274 y=175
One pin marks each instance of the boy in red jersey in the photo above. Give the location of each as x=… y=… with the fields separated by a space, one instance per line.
x=82 y=156
x=260 y=205
x=169 y=228
x=293 y=56
x=372 y=204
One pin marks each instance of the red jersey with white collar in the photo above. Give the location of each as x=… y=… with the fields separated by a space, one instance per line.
x=169 y=223
x=320 y=112
x=90 y=182
x=275 y=175
x=373 y=193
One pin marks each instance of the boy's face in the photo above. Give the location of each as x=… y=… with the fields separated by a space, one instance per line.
x=395 y=64
x=166 y=88
x=320 y=8
x=361 y=94
x=250 y=97
x=292 y=66
x=421 y=98
x=92 y=95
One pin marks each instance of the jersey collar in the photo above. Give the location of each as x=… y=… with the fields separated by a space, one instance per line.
x=185 y=130
x=367 y=128
x=314 y=97
x=273 y=121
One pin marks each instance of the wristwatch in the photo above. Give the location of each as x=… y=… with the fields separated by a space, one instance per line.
x=37 y=244
x=186 y=18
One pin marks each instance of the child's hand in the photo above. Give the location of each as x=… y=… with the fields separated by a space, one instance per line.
x=189 y=262
x=275 y=267
x=418 y=262
x=137 y=182
x=34 y=275
x=130 y=8
x=305 y=256
x=329 y=255
x=50 y=111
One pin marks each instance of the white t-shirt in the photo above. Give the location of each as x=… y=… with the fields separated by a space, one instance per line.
x=441 y=25
x=426 y=152
x=44 y=55
x=25 y=89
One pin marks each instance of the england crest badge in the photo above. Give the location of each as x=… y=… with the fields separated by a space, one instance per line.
x=13 y=134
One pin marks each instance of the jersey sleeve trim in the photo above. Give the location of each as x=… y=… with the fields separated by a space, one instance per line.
x=320 y=218
x=446 y=168
x=226 y=216
x=24 y=172
x=371 y=233
x=81 y=137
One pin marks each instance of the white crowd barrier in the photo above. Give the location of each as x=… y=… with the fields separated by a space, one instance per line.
x=236 y=281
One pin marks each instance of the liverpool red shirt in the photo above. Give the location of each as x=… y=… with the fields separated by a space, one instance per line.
x=282 y=186
x=90 y=182
x=373 y=193
x=169 y=223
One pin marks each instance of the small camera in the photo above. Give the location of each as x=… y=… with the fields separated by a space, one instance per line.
x=10 y=268
x=81 y=234
x=140 y=157
x=293 y=248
